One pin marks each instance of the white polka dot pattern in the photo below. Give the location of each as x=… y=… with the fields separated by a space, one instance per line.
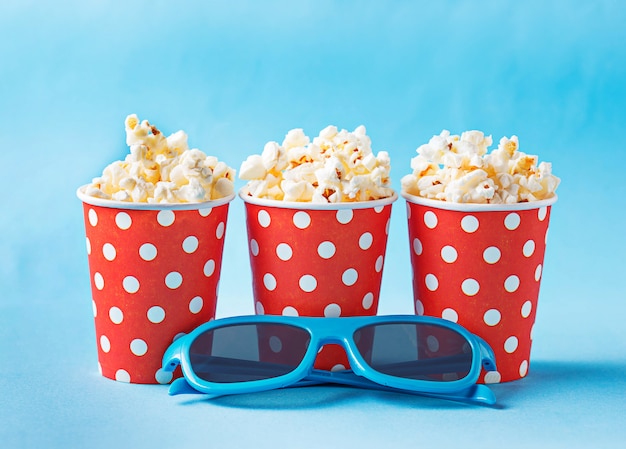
x=307 y=283
x=481 y=269
x=123 y=220
x=154 y=276
x=449 y=254
x=326 y=250
x=284 y=251
x=317 y=262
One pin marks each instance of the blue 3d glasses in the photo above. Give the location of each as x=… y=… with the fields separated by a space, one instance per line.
x=412 y=354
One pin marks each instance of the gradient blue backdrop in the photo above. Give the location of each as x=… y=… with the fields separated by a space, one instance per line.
x=237 y=74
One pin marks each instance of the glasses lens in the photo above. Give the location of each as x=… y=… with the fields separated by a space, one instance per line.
x=415 y=351
x=246 y=352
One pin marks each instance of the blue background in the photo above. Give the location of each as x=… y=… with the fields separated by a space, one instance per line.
x=237 y=74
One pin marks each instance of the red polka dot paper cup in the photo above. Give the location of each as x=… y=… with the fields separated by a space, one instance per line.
x=154 y=275
x=480 y=265
x=317 y=260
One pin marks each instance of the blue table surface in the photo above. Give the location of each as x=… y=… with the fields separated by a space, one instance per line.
x=237 y=74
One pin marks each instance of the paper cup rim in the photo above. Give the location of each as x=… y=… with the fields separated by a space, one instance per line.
x=474 y=207
x=316 y=206
x=93 y=201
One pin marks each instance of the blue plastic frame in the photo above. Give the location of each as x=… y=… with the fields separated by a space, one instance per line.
x=339 y=331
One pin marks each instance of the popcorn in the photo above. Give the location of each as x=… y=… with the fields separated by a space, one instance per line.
x=459 y=169
x=161 y=169
x=337 y=166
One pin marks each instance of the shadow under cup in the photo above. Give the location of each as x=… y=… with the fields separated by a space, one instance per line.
x=481 y=265
x=320 y=260
x=154 y=272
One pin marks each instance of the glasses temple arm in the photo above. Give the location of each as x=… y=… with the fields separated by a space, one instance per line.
x=181 y=386
x=475 y=394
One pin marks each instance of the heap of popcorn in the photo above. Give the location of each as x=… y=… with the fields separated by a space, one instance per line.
x=337 y=166
x=162 y=169
x=459 y=169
